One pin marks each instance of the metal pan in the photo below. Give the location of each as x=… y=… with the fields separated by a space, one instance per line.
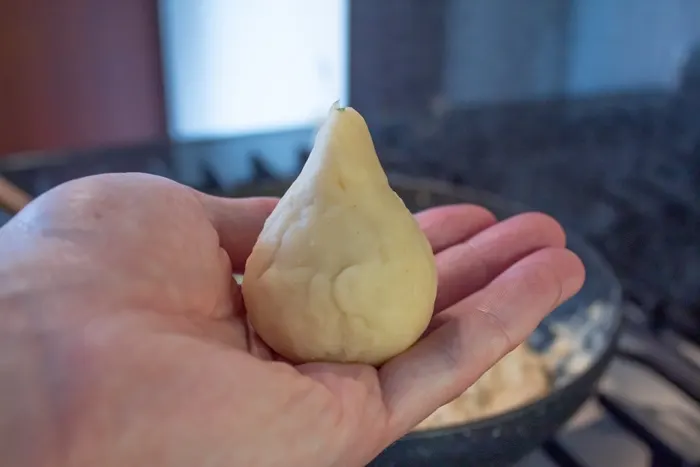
x=589 y=323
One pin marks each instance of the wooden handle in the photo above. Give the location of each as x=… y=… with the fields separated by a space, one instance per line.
x=12 y=199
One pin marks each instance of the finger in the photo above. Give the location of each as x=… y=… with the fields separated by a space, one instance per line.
x=469 y=266
x=446 y=226
x=475 y=333
x=238 y=223
x=239 y=220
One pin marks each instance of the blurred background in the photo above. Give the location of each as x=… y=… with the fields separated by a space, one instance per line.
x=586 y=109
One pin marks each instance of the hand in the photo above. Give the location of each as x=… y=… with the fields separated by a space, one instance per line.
x=123 y=338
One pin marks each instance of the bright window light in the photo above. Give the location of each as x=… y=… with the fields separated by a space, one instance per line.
x=249 y=66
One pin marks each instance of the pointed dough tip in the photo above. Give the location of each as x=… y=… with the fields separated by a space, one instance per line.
x=336 y=106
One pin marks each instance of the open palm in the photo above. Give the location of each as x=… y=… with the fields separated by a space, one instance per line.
x=130 y=343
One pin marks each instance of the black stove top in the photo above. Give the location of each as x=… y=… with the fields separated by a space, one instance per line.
x=646 y=411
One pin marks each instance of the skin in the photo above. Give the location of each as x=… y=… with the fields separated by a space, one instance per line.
x=123 y=339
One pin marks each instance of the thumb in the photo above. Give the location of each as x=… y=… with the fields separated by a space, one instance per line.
x=238 y=223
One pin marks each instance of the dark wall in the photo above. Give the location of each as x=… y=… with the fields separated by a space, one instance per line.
x=396 y=55
x=79 y=73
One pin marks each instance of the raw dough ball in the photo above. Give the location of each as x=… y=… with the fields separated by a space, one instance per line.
x=341 y=271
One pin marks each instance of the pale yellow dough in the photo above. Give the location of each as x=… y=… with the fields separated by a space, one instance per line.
x=341 y=271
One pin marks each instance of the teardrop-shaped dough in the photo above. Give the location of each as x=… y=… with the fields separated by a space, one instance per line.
x=341 y=271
